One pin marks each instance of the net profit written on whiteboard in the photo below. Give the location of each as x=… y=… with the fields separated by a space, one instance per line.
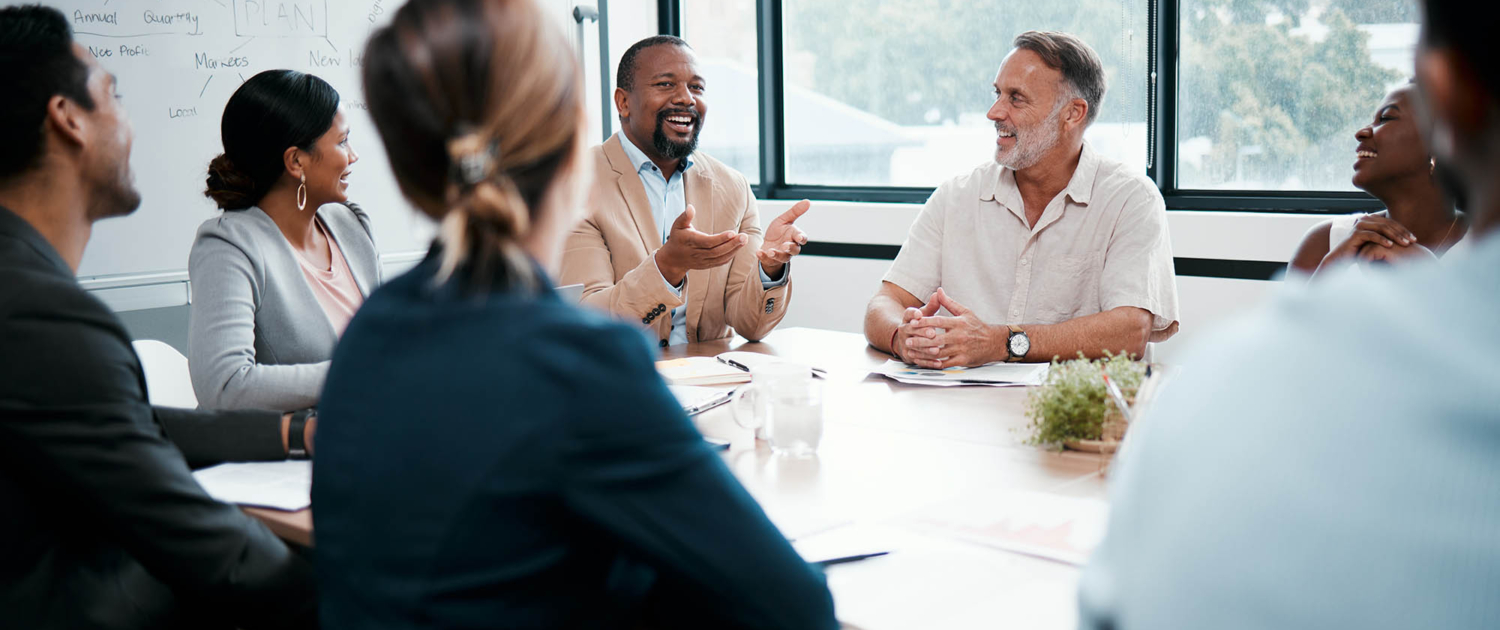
x=177 y=62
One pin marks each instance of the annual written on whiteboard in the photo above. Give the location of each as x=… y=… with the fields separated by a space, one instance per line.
x=184 y=22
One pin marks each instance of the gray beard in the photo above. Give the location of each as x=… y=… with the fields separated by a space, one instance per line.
x=1032 y=144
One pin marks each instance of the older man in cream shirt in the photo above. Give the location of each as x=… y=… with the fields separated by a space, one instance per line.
x=1049 y=251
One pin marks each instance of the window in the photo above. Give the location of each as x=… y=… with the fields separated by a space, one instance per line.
x=1271 y=92
x=894 y=92
x=722 y=33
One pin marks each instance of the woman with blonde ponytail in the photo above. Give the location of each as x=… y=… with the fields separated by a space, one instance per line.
x=488 y=455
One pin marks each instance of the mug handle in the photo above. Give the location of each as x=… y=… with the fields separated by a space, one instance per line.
x=745 y=405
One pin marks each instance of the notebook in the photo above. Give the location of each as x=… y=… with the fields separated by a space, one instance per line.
x=750 y=360
x=700 y=371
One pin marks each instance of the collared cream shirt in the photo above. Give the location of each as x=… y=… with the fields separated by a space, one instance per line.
x=1102 y=243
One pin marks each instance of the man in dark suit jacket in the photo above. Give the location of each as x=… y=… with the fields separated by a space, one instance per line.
x=104 y=525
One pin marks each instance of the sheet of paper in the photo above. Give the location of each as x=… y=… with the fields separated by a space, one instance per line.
x=1049 y=526
x=750 y=360
x=279 y=485
x=990 y=374
x=941 y=383
x=844 y=541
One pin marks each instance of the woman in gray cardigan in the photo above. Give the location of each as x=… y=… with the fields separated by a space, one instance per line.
x=276 y=276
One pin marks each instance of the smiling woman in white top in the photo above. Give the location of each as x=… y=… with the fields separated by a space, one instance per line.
x=1419 y=222
x=277 y=276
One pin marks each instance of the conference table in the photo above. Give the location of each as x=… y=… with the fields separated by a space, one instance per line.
x=923 y=472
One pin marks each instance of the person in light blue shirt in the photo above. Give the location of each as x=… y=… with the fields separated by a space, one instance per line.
x=668 y=203
x=674 y=237
x=1333 y=460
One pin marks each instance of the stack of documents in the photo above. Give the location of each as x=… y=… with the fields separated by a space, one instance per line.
x=279 y=485
x=700 y=371
x=993 y=374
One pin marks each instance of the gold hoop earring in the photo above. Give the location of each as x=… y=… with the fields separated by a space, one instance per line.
x=302 y=194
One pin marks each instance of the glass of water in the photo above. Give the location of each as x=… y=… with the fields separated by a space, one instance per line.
x=786 y=402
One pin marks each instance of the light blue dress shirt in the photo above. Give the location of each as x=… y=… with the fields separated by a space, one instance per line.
x=1331 y=460
x=669 y=201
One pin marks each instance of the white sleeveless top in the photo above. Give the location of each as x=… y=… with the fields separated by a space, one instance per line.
x=1340 y=228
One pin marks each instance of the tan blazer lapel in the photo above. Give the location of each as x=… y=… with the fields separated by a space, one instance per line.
x=700 y=194
x=634 y=192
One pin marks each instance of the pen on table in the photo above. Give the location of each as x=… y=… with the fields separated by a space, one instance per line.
x=718 y=399
x=741 y=366
x=847 y=559
x=1114 y=392
x=735 y=364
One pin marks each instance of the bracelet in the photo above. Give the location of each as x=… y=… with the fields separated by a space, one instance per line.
x=296 y=434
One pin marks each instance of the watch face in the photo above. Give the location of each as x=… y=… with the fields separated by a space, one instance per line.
x=1020 y=344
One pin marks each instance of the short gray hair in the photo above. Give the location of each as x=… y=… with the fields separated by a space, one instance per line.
x=1080 y=66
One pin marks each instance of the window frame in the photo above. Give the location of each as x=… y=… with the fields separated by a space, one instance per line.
x=1163 y=50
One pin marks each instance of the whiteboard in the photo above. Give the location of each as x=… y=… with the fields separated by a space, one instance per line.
x=177 y=62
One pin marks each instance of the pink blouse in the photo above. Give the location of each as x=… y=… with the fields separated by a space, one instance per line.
x=334 y=287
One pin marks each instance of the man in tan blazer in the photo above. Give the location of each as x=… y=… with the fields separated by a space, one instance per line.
x=682 y=253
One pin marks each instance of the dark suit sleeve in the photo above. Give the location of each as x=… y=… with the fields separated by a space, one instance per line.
x=73 y=415
x=637 y=468
x=212 y=437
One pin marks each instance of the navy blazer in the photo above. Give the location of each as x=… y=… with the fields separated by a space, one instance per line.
x=505 y=460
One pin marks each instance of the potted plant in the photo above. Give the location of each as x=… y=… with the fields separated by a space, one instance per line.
x=1072 y=407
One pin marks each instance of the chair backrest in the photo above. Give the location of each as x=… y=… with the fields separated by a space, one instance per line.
x=168 y=383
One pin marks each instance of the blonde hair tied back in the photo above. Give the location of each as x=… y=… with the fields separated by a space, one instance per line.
x=487 y=211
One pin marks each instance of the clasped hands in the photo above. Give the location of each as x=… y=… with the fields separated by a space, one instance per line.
x=1378 y=239
x=687 y=248
x=928 y=340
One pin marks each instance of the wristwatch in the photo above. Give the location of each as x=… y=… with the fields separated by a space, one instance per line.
x=1017 y=344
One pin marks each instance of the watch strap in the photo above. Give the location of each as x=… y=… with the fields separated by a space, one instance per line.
x=296 y=433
